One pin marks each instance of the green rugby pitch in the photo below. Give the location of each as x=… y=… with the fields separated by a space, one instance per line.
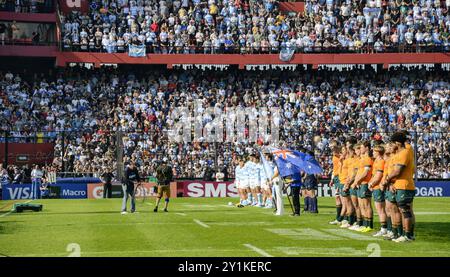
x=206 y=227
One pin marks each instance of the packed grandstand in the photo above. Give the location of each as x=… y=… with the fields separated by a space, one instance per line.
x=82 y=109
x=243 y=26
x=89 y=106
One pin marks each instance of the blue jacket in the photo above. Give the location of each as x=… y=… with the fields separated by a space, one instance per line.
x=294 y=180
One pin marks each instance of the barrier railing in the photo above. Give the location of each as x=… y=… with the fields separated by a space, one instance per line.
x=231 y=49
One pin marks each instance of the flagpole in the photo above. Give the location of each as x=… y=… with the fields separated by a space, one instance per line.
x=265 y=171
x=289 y=199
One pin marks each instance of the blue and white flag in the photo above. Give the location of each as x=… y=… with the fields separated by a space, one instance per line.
x=136 y=50
x=286 y=54
x=268 y=169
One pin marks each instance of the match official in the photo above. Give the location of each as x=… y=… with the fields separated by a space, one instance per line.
x=107 y=177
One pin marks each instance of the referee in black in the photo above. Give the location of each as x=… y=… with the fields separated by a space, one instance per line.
x=131 y=176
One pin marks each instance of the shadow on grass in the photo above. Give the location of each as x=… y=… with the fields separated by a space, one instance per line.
x=9 y=227
x=433 y=231
x=85 y=212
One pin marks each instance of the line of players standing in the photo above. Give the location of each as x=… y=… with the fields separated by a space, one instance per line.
x=252 y=182
x=257 y=185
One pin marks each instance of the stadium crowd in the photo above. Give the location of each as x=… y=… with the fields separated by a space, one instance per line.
x=250 y=26
x=27 y=6
x=87 y=107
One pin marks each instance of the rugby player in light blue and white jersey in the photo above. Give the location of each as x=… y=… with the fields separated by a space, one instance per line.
x=266 y=177
x=252 y=180
x=262 y=181
x=241 y=181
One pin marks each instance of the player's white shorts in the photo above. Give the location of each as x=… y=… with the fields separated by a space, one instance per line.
x=237 y=183
x=242 y=184
x=254 y=183
x=265 y=185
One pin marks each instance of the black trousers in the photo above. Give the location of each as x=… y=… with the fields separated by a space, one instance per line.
x=296 y=199
x=107 y=190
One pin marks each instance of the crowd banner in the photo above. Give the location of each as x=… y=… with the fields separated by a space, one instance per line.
x=196 y=188
x=136 y=50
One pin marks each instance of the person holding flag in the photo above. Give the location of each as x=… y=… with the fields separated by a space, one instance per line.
x=290 y=164
x=295 y=182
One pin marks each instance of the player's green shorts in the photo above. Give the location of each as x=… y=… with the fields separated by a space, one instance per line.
x=404 y=197
x=354 y=192
x=343 y=192
x=337 y=184
x=389 y=196
x=364 y=192
x=378 y=195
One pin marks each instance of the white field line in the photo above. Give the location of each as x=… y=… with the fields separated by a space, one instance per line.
x=3 y=215
x=256 y=223
x=131 y=253
x=258 y=250
x=342 y=251
x=182 y=214
x=201 y=223
x=289 y=251
x=228 y=223
x=304 y=234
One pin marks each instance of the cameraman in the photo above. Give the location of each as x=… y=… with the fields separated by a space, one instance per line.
x=131 y=176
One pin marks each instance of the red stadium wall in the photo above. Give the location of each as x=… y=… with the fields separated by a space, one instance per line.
x=27 y=153
x=28 y=51
x=28 y=17
x=241 y=60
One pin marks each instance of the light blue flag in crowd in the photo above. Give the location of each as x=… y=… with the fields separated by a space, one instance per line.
x=286 y=54
x=136 y=50
x=268 y=169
